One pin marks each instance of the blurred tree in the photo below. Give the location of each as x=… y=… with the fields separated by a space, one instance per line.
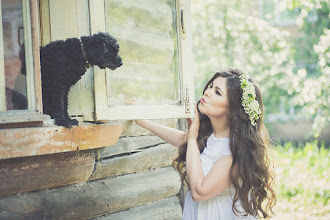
x=313 y=56
x=232 y=34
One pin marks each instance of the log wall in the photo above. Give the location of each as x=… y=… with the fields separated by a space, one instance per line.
x=132 y=178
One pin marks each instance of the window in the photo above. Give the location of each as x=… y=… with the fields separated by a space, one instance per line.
x=155 y=41
x=20 y=87
x=155 y=46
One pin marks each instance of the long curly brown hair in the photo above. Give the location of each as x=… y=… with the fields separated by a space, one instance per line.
x=250 y=172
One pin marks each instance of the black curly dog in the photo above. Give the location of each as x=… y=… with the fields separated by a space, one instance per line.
x=64 y=62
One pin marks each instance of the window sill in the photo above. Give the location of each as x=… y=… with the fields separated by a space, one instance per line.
x=32 y=141
x=22 y=118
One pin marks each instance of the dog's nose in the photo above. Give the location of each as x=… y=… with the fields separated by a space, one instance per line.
x=121 y=63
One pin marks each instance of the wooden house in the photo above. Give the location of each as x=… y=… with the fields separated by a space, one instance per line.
x=107 y=167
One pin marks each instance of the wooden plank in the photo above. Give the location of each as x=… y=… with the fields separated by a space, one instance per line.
x=186 y=55
x=65 y=25
x=44 y=22
x=20 y=142
x=130 y=144
x=97 y=24
x=30 y=87
x=3 y=102
x=87 y=80
x=76 y=97
x=143 y=159
x=147 y=14
x=36 y=54
x=17 y=116
x=84 y=201
x=27 y=174
x=168 y=208
x=22 y=124
x=62 y=25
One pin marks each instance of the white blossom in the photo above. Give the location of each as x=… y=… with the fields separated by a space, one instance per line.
x=250 y=104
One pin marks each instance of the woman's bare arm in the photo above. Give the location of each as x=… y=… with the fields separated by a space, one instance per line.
x=170 y=135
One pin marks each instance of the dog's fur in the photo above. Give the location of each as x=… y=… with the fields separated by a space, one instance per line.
x=64 y=62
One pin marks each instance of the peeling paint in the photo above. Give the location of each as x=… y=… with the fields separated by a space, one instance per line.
x=22 y=142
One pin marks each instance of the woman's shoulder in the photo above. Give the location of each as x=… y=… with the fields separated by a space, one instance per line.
x=218 y=146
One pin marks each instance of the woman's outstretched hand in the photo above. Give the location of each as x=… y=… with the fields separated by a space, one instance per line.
x=193 y=126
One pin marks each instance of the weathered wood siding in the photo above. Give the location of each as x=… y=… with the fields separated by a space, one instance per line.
x=84 y=201
x=126 y=179
x=132 y=179
x=26 y=174
x=21 y=142
x=168 y=208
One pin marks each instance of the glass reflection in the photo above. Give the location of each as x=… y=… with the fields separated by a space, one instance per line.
x=13 y=38
x=146 y=33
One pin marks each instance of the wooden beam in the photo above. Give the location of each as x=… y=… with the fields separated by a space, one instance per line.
x=168 y=208
x=129 y=145
x=20 y=142
x=143 y=159
x=2 y=69
x=91 y=199
x=27 y=174
x=36 y=53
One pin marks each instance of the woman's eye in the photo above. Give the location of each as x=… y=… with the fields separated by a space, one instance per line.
x=217 y=92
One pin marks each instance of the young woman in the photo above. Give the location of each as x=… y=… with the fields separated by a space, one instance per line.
x=223 y=158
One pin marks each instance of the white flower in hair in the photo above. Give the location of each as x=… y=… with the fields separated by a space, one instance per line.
x=249 y=103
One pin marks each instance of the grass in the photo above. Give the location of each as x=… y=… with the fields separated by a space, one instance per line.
x=302 y=182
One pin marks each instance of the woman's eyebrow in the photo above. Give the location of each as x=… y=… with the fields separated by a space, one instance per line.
x=219 y=89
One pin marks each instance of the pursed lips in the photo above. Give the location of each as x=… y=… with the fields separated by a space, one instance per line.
x=203 y=100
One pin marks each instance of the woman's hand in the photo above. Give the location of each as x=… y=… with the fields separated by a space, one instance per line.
x=139 y=122
x=193 y=126
x=132 y=101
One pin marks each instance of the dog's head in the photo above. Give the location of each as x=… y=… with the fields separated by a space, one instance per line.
x=102 y=50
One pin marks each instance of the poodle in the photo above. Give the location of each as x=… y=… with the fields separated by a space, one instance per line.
x=64 y=62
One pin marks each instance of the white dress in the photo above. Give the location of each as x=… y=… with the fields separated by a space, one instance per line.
x=220 y=206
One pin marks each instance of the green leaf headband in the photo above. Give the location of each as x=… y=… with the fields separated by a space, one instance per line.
x=249 y=102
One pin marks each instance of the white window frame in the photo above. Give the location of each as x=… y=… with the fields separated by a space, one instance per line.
x=33 y=79
x=104 y=112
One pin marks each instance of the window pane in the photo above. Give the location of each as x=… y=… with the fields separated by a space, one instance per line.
x=146 y=33
x=13 y=38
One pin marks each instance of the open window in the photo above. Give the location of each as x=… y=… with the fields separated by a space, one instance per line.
x=20 y=84
x=155 y=46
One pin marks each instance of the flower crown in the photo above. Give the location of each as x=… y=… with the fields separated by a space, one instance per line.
x=249 y=102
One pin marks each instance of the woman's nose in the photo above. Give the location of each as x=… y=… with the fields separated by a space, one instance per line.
x=207 y=93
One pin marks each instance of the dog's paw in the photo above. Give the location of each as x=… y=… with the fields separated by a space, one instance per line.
x=63 y=122
x=74 y=122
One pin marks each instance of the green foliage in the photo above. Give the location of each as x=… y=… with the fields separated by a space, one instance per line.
x=311 y=52
x=291 y=70
x=302 y=176
x=230 y=34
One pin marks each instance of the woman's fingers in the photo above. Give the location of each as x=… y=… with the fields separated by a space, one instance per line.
x=189 y=121
x=196 y=113
x=193 y=126
x=129 y=101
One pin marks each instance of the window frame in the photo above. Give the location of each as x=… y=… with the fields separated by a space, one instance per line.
x=104 y=112
x=33 y=76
